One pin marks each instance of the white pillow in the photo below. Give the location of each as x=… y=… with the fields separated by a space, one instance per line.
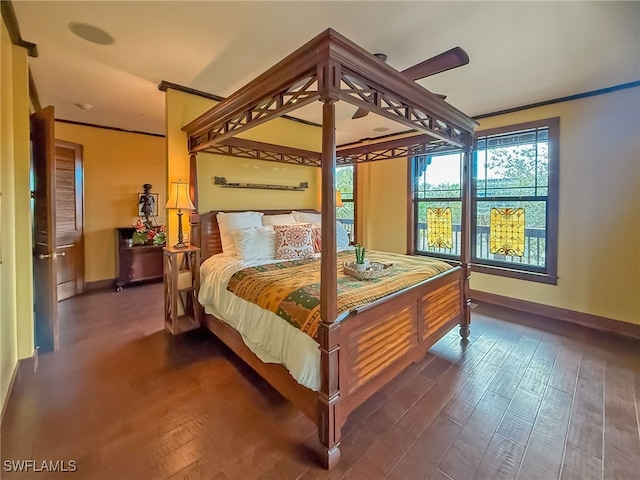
x=267 y=242
x=254 y=244
x=284 y=219
x=302 y=217
x=235 y=221
x=342 y=236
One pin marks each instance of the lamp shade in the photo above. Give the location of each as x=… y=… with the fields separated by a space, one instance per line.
x=179 y=197
x=339 y=199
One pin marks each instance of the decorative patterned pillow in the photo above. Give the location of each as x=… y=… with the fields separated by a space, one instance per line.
x=316 y=230
x=293 y=241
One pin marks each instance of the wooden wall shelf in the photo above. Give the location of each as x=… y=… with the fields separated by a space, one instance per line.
x=222 y=181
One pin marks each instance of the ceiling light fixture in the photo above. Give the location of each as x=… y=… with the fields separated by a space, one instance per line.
x=84 y=106
x=90 y=33
x=381 y=129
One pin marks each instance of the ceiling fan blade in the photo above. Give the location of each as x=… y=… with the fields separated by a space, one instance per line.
x=361 y=112
x=456 y=57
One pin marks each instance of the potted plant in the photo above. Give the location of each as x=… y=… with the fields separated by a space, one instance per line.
x=361 y=263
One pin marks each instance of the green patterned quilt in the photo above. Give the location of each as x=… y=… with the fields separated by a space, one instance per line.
x=291 y=289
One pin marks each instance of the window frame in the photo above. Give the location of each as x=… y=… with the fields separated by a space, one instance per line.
x=412 y=244
x=550 y=273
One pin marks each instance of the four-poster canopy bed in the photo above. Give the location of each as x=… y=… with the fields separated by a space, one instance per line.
x=357 y=355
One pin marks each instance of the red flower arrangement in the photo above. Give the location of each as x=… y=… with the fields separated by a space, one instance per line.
x=147 y=234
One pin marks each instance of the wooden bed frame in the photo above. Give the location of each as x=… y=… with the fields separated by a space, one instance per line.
x=360 y=351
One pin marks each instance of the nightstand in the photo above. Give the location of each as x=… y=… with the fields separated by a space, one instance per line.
x=181 y=284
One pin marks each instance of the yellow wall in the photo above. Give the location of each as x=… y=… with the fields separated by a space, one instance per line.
x=16 y=283
x=214 y=197
x=181 y=108
x=116 y=165
x=382 y=190
x=599 y=218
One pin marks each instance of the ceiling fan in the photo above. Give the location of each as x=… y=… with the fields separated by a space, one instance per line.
x=456 y=57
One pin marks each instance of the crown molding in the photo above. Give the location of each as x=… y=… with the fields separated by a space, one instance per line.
x=11 y=21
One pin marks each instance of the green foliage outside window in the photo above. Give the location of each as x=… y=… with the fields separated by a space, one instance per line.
x=345 y=185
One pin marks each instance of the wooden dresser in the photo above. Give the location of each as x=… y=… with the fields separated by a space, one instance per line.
x=136 y=263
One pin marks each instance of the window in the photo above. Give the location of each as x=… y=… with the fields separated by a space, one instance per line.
x=345 y=184
x=514 y=208
x=515 y=201
x=438 y=203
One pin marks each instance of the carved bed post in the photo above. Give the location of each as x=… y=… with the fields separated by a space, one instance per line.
x=329 y=418
x=193 y=179
x=465 y=254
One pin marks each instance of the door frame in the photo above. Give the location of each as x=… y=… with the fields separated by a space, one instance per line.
x=79 y=266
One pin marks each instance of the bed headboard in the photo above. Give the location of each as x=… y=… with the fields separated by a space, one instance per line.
x=206 y=234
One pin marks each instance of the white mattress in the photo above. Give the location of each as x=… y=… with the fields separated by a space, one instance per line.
x=270 y=337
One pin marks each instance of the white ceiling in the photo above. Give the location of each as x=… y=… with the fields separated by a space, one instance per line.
x=521 y=52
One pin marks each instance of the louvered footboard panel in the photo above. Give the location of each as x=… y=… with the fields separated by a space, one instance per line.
x=378 y=343
x=441 y=306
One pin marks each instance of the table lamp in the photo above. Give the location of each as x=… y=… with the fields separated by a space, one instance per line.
x=179 y=199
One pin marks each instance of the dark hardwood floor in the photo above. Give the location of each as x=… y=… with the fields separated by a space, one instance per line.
x=124 y=399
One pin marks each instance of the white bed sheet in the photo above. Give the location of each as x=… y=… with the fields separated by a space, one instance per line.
x=270 y=337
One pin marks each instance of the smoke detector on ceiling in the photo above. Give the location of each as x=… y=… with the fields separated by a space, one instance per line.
x=90 y=33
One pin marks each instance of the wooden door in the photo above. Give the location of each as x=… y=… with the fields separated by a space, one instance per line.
x=45 y=277
x=69 y=219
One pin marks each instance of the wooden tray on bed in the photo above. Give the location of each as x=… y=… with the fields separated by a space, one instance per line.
x=373 y=271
